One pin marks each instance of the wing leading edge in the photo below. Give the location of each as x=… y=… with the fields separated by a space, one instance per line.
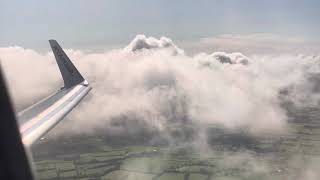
x=38 y=119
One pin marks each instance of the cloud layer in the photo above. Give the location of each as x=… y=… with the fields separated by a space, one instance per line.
x=152 y=84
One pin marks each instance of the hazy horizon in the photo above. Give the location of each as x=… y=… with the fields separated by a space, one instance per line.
x=103 y=25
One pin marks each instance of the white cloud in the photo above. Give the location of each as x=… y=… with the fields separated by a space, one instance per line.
x=141 y=42
x=30 y=75
x=151 y=84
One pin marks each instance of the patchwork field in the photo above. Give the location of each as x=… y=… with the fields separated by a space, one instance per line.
x=231 y=155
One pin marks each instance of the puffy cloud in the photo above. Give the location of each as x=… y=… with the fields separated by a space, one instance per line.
x=141 y=42
x=151 y=86
x=30 y=75
x=222 y=57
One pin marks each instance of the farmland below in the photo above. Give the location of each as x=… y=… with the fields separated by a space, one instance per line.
x=231 y=155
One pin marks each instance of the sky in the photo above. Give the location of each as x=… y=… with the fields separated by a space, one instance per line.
x=96 y=24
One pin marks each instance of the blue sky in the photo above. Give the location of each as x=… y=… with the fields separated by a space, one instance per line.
x=98 y=24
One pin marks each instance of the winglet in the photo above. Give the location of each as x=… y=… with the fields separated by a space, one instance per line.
x=69 y=72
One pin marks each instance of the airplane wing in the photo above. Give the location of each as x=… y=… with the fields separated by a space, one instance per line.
x=37 y=120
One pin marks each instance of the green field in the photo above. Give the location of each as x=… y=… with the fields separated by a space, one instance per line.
x=95 y=157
